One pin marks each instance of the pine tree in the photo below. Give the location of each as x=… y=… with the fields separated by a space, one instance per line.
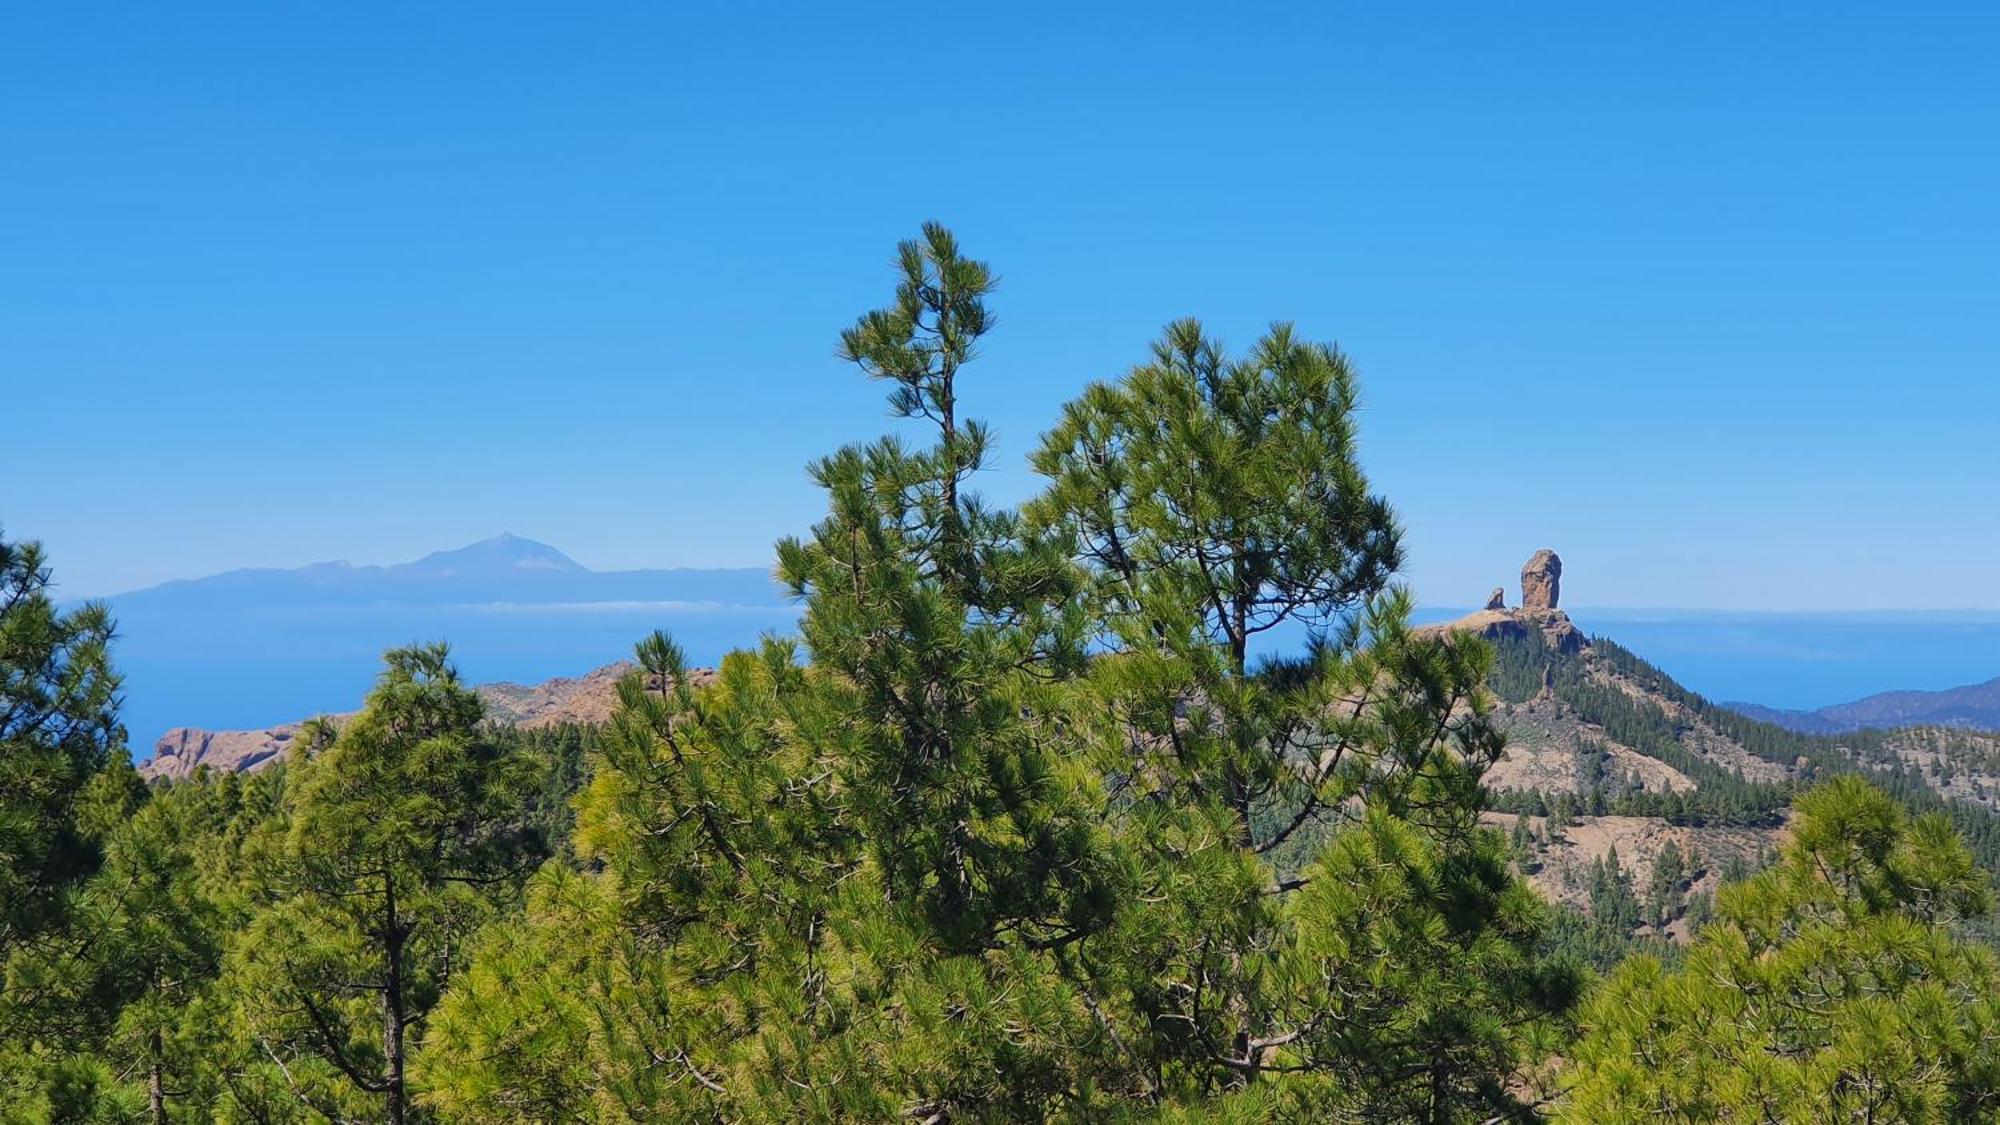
x=941 y=625
x=945 y=640
x=1831 y=987
x=1614 y=905
x=689 y=968
x=58 y=730
x=144 y=945
x=394 y=839
x=1665 y=888
x=1214 y=501
x=842 y=890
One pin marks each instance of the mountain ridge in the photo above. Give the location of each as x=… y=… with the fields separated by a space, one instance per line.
x=1607 y=756
x=504 y=563
x=1970 y=706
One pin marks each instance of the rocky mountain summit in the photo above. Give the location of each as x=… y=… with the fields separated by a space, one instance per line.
x=586 y=699
x=1634 y=760
x=1541 y=589
x=506 y=568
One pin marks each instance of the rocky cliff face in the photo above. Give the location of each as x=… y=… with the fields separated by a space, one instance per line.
x=584 y=699
x=183 y=750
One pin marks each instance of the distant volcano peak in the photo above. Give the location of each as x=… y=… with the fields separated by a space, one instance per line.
x=504 y=553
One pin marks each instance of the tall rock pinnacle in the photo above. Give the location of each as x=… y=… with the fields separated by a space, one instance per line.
x=1541 y=581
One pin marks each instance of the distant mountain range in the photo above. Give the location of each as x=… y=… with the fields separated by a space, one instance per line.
x=1973 y=707
x=506 y=569
x=255 y=649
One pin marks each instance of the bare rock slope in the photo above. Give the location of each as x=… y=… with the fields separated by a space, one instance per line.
x=183 y=750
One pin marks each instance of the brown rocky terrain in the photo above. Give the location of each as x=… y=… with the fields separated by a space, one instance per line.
x=589 y=698
x=1543 y=737
x=585 y=699
x=1544 y=733
x=1563 y=860
x=1961 y=764
x=182 y=750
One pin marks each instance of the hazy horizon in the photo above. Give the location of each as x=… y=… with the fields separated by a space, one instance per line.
x=1466 y=602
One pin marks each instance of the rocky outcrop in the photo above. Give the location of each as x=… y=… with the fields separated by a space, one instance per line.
x=1492 y=624
x=584 y=699
x=1541 y=580
x=588 y=699
x=1540 y=583
x=1560 y=632
x=183 y=750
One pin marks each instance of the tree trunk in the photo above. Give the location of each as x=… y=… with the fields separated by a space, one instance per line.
x=392 y=1000
x=156 y=1085
x=1237 y=777
x=949 y=424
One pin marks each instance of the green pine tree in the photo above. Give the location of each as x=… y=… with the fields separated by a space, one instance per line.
x=393 y=844
x=1320 y=924
x=58 y=731
x=1831 y=987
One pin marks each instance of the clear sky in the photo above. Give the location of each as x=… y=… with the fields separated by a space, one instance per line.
x=1703 y=296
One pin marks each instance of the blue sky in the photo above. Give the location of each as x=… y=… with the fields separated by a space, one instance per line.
x=1705 y=299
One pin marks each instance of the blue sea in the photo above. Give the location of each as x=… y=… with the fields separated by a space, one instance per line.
x=236 y=671
x=1806 y=660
